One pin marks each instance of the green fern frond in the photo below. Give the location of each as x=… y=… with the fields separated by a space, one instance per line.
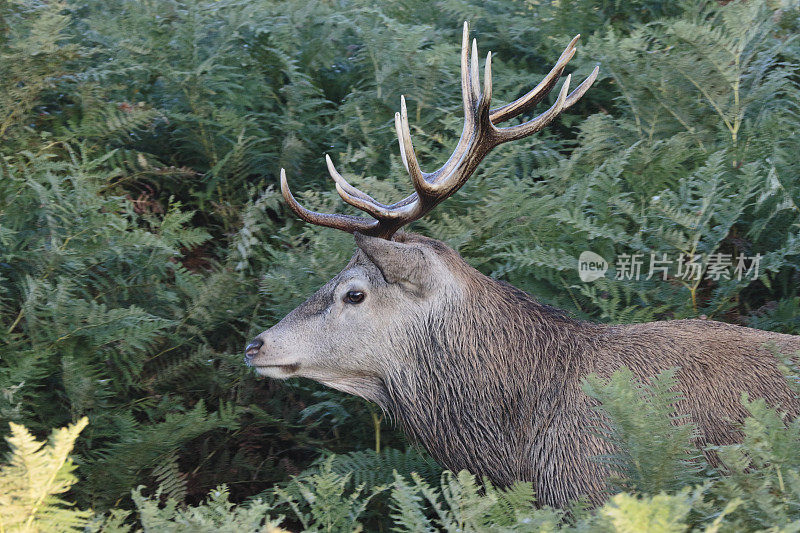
x=171 y=482
x=655 y=446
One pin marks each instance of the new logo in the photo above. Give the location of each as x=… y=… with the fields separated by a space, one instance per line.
x=591 y=266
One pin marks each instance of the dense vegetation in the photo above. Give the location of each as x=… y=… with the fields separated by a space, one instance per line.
x=142 y=240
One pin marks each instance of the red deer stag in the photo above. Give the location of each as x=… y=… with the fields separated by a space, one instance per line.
x=480 y=373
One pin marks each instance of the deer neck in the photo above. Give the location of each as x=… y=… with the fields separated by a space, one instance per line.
x=478 y=378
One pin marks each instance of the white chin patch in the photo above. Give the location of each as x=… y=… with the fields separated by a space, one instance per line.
x=277 y=372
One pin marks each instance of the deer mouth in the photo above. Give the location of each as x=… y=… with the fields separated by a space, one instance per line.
x=278 y=371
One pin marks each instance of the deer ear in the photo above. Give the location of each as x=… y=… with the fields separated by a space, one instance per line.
x=407 y=264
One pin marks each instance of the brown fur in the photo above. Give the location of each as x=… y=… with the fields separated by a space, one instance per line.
x=490 y=380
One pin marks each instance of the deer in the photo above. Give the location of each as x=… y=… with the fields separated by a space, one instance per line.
x=476 y=371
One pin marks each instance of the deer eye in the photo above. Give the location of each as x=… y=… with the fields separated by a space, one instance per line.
x=354 y=297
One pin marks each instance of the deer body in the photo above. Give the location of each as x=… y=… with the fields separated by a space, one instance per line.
x=489 y=380
x=477 y=371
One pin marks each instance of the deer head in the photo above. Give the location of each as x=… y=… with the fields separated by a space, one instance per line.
x=373 y=317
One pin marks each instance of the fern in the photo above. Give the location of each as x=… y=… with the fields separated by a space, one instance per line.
x=149 y=447
x=36 y=54
x=460 y=503
x=784 y=316
x=215 y=514
x=760 y=488
x=169 y=479
x=661 y=513
x=371 y=470
x=143 y=239
x=33 y=478
x=654 y=445
x=330 y=507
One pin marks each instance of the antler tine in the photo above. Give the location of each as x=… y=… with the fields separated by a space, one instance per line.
x=346 y=223
x=421 y=185
x=473 y=71
x=339 y=179
x=581 y=89
x=538 y=93
x=487 y=79
x=359 y=199
x=400 y=140
x=512 y=133
x=466 y=93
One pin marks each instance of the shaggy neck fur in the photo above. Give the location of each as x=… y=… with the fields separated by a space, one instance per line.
x=490 y=380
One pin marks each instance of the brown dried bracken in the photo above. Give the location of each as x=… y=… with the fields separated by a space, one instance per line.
x=479 y=136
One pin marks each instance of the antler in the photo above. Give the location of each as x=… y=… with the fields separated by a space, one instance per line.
x=479 y=136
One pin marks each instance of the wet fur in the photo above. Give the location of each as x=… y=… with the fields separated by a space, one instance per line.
x=496 y=388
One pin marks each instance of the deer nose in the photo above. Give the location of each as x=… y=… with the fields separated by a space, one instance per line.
x=252 y=350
